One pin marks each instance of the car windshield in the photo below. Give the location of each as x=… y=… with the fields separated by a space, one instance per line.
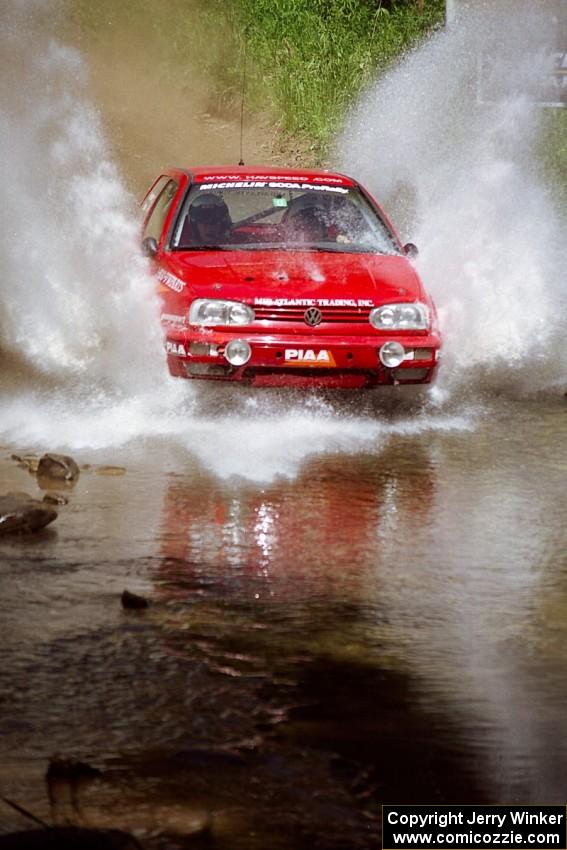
x=269 y=216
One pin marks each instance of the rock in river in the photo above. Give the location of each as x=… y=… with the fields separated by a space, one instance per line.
x=133 y=601
x=55 y=499
x=59 y=467
x=29 y=462
x=20 y=514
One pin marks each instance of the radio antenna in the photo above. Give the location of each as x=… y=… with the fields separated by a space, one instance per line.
x=241 y=160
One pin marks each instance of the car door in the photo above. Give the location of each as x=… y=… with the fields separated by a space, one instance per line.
x=154 y=223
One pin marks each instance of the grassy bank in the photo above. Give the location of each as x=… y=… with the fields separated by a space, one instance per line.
x=553 y=152
x=308 y=59
x=305 y=61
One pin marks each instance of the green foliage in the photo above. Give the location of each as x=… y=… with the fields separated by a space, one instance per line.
x=308 y=59
x=553 y=150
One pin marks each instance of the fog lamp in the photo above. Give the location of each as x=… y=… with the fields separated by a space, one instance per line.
x=238 y=352
x=391 y=354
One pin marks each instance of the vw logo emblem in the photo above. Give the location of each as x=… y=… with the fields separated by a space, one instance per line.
x=313 y=317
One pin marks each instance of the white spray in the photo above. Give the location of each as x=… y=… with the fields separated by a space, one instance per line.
x=77 y=307
x=75 y=298
x=462 y=177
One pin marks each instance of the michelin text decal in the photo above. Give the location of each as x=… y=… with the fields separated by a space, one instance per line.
x=272 y=184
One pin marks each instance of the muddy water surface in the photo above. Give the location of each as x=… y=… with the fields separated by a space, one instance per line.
x=387 y=625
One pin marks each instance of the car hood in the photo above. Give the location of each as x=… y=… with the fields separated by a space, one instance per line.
x=252 y=275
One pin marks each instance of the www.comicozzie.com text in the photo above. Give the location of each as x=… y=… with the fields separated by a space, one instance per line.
x=474 y=818
x=509 y=826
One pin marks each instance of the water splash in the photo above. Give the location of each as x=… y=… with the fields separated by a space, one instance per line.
x=75 y=298
x=82 y=366
x=462 y=177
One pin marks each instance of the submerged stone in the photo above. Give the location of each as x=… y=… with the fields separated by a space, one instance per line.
x=21 y=514
x=29 y=462
x=110 y=470
x=55 y=499
x=59 y=467
x=133 y=601
x=70 y=769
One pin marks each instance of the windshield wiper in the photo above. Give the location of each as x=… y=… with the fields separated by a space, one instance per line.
x=204 y=248
x=335 y=249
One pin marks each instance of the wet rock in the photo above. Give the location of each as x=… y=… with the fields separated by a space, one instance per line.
x=69 y=769
x=29 y=462
x=55 y=499
x=110 y=470
x=21 y=514
x=133 y=601
x=69 y=838
x=58 y=467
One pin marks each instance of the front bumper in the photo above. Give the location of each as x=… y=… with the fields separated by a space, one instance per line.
x=301 y=359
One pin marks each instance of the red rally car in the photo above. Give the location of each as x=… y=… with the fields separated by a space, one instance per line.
x=280 y=277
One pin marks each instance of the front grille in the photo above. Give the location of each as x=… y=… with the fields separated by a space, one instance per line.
x=331 y=378
x=410 y=374
x=207 y=369
x=305 y=372
x=280 y=313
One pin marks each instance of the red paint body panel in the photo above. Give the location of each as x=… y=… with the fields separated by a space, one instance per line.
x=280 y=284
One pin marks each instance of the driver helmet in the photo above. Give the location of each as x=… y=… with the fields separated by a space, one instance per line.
x=209 y=208
x=307 y=217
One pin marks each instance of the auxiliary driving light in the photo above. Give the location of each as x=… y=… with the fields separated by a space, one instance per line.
x=238 y=352
x=391 y=354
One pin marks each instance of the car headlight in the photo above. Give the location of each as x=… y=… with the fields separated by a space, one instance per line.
x=214 y=311
x=400 y=317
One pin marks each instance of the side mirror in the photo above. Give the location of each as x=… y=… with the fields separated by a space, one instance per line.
x=149 y=246
x=410 y=250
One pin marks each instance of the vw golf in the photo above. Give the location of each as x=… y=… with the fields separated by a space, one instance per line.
x=281 y=277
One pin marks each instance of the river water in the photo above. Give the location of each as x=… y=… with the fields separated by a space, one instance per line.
x=353 y=600
x=381 y=625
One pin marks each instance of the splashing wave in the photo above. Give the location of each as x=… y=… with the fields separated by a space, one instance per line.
x=82 y=366
x=462 y=174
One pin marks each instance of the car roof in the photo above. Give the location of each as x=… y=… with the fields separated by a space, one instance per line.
x=259 y=172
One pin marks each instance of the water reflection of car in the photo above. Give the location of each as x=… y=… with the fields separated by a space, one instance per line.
x=285 y=277
x=293 y=540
